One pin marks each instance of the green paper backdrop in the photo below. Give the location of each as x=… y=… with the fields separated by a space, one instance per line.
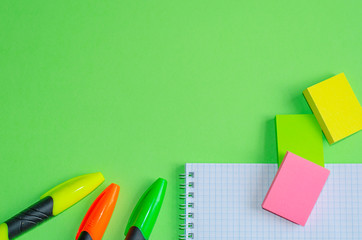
x=135 y=89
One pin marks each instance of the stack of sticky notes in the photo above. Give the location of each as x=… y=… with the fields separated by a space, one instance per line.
x=336 y=107
x=300 y=134
x=295 y=188
x=301 y=175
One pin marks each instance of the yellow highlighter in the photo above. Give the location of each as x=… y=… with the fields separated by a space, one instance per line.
x=51 y=204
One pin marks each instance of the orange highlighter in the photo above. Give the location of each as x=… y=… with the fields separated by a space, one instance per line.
x=99 y=214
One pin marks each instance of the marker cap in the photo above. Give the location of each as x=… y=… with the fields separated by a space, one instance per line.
x=145 y=214
x=70 y=192
x=99 y=214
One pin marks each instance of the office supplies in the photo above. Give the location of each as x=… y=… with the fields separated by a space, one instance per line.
x=336 y=107
x=295 y=188
x=223 y=201
x=299 y=134
x=99 y=214
x=145 y=213
x=51 y=204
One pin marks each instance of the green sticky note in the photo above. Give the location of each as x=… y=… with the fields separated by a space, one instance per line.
x=301 y=135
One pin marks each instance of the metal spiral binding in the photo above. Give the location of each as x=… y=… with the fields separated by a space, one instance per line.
x=186 y=215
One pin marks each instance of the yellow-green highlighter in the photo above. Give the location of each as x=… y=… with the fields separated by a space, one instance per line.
x=51 y=204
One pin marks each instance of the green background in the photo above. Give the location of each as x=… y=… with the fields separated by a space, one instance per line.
x=135 y=89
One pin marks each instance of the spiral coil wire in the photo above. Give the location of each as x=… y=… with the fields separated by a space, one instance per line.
x=186 y=216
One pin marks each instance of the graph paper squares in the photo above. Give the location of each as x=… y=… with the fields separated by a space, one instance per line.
x=227 y=198
x=295 y=189
x=336 y=107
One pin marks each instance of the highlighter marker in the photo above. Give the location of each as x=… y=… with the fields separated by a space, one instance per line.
x=51 y=204
x=145 y=214
x=99 y=214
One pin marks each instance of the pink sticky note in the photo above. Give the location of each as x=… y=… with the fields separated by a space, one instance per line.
x=295 y=188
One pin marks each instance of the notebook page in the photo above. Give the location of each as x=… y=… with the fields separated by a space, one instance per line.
x=227 y=198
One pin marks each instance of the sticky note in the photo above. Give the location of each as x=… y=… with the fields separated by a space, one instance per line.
x=295 y=189
x=336 y=107
x=300 y=134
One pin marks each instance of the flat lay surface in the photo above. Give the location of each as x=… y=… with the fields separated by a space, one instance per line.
x=135 y=89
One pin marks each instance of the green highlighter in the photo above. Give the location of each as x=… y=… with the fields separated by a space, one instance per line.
x=145 y=214
x=51 y=204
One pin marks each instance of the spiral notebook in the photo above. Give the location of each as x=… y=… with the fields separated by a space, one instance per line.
x=223 y=202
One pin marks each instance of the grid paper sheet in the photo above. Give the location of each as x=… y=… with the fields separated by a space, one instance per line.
x=227 y=202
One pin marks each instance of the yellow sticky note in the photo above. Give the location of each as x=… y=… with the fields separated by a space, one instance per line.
x=336 y=107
